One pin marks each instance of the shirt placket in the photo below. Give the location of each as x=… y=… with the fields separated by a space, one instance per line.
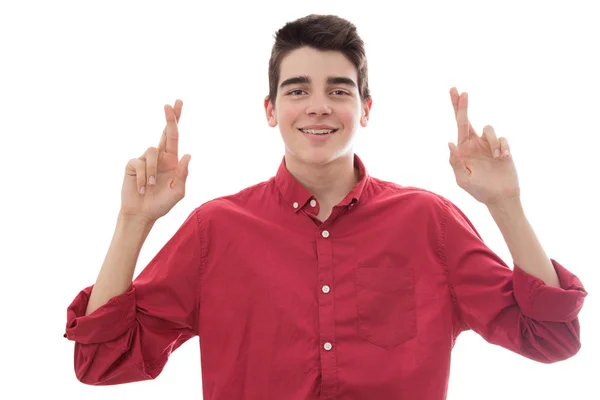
x=326 y=314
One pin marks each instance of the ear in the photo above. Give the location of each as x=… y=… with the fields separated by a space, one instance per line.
x=270 y=113
x=366 y=110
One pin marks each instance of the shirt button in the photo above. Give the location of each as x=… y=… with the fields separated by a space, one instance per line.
x=325 y=234
x=327 y=346
x=295 y=204
x=313 y=203
x=325 y=289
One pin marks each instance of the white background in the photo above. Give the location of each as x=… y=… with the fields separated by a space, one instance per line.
x=82 y=89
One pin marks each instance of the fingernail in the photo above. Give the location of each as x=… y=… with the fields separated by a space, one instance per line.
x=506 y=152
x=142 y=189
x=151 y=180
x=497 y=153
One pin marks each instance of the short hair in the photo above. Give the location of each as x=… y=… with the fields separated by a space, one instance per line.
x=321 y=32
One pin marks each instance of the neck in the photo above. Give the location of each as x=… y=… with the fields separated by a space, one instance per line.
x=330 y=182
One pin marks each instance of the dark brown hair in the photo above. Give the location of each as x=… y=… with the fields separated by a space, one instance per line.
x=321 y=32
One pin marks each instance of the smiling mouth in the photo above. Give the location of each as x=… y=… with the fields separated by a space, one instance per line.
x=317 y=132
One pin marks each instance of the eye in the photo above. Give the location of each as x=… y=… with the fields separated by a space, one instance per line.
x=294 y=91
x=341 y=92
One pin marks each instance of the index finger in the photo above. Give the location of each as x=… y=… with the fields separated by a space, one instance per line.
x=454 y=98
x=164 y=142
x=462 y=119
x=172 y=136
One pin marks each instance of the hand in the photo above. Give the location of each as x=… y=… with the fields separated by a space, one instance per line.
x=483 y=165
x=155 y=181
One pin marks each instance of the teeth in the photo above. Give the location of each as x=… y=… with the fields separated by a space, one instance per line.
x=317 y=131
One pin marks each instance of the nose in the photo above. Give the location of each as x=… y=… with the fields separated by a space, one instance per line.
x=318 y=106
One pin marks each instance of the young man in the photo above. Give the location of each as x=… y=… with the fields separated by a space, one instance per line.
x=322 y=282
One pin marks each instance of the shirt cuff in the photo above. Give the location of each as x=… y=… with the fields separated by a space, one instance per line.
x=106 y=323
x=541 y=302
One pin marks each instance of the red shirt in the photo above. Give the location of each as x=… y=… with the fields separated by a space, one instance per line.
x=366 y=305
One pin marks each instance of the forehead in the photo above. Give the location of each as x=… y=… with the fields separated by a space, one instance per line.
x=317 y=64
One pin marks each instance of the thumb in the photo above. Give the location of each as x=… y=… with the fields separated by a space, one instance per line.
x=455 y=161
x=182 y=169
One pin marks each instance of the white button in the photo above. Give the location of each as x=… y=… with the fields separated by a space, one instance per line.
x=325 y=289
x=295 y=204
x=313 y=203
x=327 y=346
x=325 y=234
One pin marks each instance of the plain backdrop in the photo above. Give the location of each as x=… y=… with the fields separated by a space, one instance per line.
x=82 y=89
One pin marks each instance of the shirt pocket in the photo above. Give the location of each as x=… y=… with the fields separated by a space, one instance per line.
x=386 y=304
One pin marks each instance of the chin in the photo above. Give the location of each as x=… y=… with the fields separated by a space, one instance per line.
x=317 y=157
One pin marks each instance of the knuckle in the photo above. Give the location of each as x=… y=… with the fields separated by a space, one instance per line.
x=151 y=151
x=133 y=164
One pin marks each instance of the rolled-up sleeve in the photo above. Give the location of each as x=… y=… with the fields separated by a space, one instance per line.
x=509 y=308
x=106 y=323
x=548 y=303
x=131 y=336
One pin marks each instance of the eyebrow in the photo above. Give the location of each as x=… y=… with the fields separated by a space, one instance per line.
x=331 y=80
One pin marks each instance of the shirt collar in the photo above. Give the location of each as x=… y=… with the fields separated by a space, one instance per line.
x=297 y=195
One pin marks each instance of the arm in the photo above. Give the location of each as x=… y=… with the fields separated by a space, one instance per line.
x=117 y=271
x=509 y=308
x=130 y=337
x=523 y=244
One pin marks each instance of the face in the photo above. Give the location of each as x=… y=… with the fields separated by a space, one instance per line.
x=317 y=90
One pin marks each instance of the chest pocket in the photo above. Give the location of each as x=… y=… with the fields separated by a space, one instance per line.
x=386 y=304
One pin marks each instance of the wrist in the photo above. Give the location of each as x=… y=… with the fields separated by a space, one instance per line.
x=510 y=206
x=132 y=221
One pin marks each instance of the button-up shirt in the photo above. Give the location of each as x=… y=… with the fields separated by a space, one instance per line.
x=365 y=305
